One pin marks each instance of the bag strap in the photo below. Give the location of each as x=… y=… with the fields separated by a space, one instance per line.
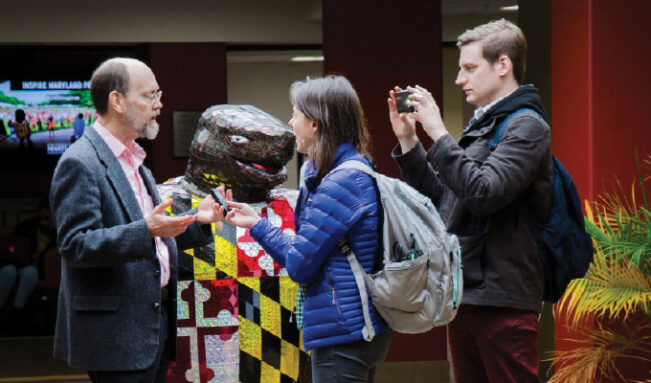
x=354 y=164
x=368 y=332
x=497 y=136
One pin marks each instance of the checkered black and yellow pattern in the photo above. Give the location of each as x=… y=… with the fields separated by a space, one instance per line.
x=235 y=321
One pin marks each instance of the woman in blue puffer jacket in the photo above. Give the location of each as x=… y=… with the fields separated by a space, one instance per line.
x=329 y=126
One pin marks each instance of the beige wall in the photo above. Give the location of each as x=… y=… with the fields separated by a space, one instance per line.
x=266 y=86
x=453 y=99
x=119 y=21
x=454 y=25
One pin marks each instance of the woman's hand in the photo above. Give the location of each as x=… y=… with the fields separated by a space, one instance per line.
x=404 y=126
x=242 y=215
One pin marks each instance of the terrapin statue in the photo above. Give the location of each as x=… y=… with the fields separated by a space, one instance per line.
x=242 y=147
x=234 y=302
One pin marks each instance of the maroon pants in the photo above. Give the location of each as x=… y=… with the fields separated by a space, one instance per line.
x=494 y=344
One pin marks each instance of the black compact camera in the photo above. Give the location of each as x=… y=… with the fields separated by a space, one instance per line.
x=403 y=101
x=219 y=199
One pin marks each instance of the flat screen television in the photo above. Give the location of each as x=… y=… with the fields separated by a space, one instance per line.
x=44 y=115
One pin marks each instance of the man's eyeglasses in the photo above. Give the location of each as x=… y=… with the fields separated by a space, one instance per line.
x=155 y=96
x=151 y=97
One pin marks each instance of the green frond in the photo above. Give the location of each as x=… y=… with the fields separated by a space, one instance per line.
x=620 y=230
x=595 y=232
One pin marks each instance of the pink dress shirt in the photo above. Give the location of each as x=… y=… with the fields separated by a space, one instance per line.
x=130 y=158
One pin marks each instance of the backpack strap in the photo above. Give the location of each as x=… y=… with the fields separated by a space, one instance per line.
x=497 y=136
x=368 y=332
x=354 y=164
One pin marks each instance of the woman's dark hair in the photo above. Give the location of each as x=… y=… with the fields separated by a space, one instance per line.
x=333 y=104
x=20 y=115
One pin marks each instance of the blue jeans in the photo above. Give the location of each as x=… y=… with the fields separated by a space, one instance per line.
x=350 y=362
x=27 y=277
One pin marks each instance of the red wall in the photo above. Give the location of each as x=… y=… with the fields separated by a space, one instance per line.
x=192 y=77
x=600 y=90
x=377 y=45
x=571 y=91
x=621 y=54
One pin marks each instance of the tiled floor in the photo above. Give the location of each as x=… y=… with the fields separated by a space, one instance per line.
x=28 y=359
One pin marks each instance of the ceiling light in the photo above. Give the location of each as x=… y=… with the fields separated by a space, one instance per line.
x=306 y=58
x=509 y=8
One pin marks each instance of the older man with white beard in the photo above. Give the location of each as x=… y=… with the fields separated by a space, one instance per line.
x=117 y=302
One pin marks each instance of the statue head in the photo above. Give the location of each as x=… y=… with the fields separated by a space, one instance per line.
x=239 y=146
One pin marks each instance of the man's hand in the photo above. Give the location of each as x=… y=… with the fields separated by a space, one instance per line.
x=161 y=225
x=427 y=112
x=403 y=126
x=208 y=211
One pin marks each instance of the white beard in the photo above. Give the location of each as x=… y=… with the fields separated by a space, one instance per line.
x=148 y=129
x=151 y=130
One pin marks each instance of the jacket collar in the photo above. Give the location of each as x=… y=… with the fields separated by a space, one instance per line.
x=115 y=175
x=524 y=97
x=345 y=151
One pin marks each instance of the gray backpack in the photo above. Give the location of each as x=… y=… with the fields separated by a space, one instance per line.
x=421 y=283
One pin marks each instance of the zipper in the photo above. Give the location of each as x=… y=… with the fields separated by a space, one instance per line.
x=334 y=301
x=334 y=294
x=455 y=298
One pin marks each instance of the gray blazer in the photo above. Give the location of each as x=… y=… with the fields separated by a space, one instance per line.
x=109 y=301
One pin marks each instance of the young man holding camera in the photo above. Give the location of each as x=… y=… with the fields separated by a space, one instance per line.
x=489 y=199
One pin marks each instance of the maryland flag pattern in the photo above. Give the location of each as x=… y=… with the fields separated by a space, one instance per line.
x=235 y=321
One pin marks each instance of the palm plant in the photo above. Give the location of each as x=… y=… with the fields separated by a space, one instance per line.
x=617 y=284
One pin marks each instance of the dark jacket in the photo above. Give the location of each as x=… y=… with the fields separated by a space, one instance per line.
x=489 y=199
x=109 y=301
x=343 y=204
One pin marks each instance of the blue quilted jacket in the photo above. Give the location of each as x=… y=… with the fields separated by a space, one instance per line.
x=343 y=204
